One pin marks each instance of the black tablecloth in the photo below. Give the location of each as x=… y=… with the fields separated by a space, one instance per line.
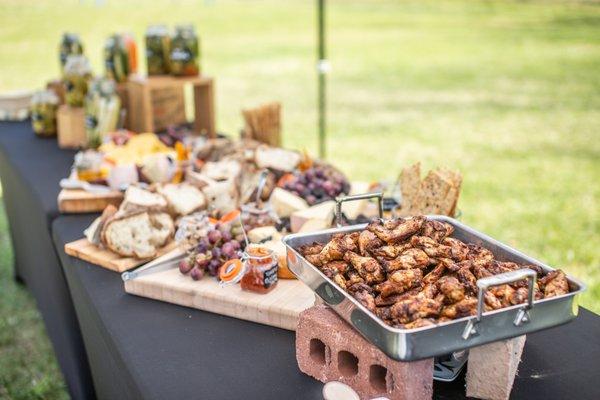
x=30 y=169
x=141 y=348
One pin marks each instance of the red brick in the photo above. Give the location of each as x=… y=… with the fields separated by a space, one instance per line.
x=339 y=353
x=492 y=368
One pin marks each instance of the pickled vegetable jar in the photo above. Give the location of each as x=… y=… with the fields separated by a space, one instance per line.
x=185 y=52
x=158 y=44
x=102 y=110
x=44 y=105
x=77 y=75
x=120 y=57
x=69 y=45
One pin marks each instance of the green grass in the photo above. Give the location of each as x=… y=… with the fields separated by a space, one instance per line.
x=507 y=92
x=28 y=369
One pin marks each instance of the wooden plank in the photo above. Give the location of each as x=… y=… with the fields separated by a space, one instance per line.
x=105 y=258
x=280 y=307
x=80 y=201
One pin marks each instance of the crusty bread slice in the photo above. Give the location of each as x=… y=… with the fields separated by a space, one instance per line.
x=276 y=158
x=222 y=196
x=139 y=234
x=138 y=199
x=183 y=198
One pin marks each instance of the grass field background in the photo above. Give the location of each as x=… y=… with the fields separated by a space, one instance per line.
x=506 y=92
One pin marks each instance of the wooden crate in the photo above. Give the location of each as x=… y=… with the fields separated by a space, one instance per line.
x=71 y=127
x=158 y=101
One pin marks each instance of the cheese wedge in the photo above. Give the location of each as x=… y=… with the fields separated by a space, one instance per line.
x=323 y=211
x=285 y=203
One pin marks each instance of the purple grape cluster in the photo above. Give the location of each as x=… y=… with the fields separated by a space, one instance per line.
x=218 y=246
x=318 y=184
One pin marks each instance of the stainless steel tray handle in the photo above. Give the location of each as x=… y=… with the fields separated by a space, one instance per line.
x=484 y=284
x=363 y=196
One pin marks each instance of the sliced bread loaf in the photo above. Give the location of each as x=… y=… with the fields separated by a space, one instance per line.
x=183 y=198
x=139 y=234
x=138 y=199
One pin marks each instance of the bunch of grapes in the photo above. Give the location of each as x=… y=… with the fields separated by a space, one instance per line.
x=318 y=184
x=221 y=243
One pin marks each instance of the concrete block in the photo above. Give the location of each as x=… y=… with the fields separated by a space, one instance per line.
x=492 y=368
x=328 y=349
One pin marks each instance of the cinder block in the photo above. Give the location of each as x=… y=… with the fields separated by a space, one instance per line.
x=492 y=368
x=328 y=349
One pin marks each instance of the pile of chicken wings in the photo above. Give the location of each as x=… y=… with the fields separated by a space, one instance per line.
x=411 y=272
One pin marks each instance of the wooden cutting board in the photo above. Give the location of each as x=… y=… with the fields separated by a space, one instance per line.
x=79 y=201
x=279 y=308
x=105 y=258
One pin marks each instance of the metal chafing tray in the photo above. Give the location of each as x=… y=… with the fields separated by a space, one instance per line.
x=446 y=337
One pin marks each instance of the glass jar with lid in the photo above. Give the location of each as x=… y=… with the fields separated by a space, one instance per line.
x=256 y=271
x=78 y=73
x=69 y=45
x=185 y=52
x=44 y=105
x=253 y=216
x=158 y=45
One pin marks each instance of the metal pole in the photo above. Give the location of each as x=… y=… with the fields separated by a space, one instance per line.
x=322 y=68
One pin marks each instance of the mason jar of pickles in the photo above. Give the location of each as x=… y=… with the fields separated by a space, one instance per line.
x=185 y=52
x=77 y=75
x=158 y=44
x=69 y=45
x=44 y=105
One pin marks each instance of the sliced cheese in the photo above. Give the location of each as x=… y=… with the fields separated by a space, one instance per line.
x=323 y=211
x=284 y=203
x=313 y=225
x=352 y=209
x=262 y=233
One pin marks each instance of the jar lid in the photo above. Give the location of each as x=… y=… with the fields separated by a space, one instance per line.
x=231 y=272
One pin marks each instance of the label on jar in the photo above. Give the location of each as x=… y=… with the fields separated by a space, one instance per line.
x=270 y=276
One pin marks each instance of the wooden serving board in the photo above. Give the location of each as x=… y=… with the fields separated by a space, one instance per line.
x=280 y=307
x=105 y=258
x=80 y=201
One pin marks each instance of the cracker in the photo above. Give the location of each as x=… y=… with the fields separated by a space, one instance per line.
x=434 y=190
x=410 y=185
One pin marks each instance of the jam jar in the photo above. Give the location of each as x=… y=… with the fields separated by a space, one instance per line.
x=261 y=269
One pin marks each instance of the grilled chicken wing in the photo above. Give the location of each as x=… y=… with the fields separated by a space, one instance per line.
x=465 y=307
x=367 y=241
x=368 y=268
x=435 y=274
x=437 y=230
x=458 y=250
x=408 y=310
x=431 y=247
x=391 y=251
x=400 y=281
x=411 y=258
x=364 y=294
x=452 y=289
x=555 y=284
x=466 y=277
x=405 y=229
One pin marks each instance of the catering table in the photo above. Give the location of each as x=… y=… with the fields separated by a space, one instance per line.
x=141 y=348
x=30 y=169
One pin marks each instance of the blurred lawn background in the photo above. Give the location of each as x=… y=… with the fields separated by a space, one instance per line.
x=506 y=92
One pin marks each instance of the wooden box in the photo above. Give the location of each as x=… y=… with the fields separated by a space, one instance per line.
x=159 y=101
x=71 y=127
